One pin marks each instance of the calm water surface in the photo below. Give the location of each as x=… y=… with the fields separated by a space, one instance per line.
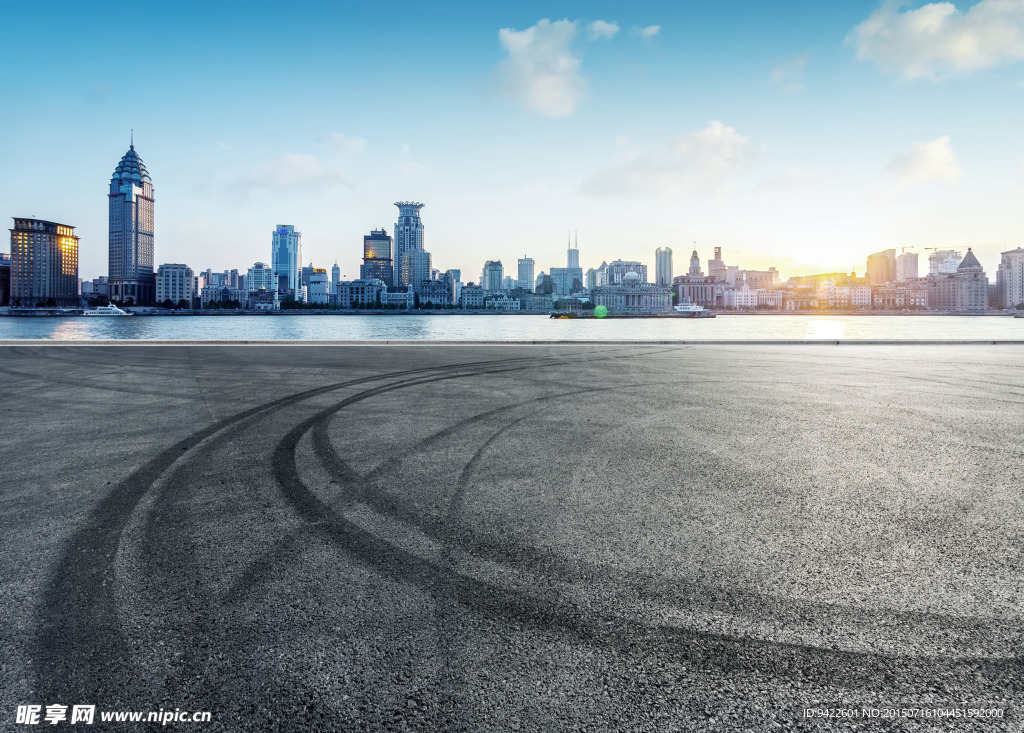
x=511 y=327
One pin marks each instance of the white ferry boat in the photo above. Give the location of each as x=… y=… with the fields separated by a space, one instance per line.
x=106 y=310
x=688 y=309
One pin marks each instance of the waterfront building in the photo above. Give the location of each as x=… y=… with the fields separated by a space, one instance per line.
x=335 y=277
x=906 y=267
x=99 y=288
x=965 y=291
x=881 y=267
x=717 y=267
x=307 y=271
x=130 y=250
x=501 y=302
x=758 y=279
x=286 y=258
x=706 y=291
x=910 y=294
x=590 y=278
x=401 y=297
x=318 y=288
x=663 y=266
x=612 y=273
x=262 y=299
x=44 y=264
x=1010 y=278
x=944 y=262
x=261 y=277
x=695 y=270
x=377 y=257
x=526 y=280
x=417 y=264
x=632 y=295
x=360 y=293
x=223 y=294
x=435 y=294
x=472 y=296
x=569 y=279
x=5 y=279
x=573 y=256
x=493 y=277
x=409 y=237
x=175 y=283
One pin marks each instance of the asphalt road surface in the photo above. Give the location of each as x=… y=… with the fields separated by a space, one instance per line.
x=514 y=537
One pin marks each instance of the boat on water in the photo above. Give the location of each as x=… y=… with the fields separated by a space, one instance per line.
x=688 y=309
x=106 y=310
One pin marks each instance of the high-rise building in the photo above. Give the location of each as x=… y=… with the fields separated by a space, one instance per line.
x=318 y=287
x=44 y=264
x=881 y=267
x=568 y=279
x=493 y=276
x=716 y=266
x=377 y=261
x=261 y=276
x=966 y=290
x=573 y=259
x=1010 y=278
x=130 y=203
x=416 y=263
x=944 y=262
x=663 y=266
x=335 y=277
x=175 y=283
x=906 y=266
x=286 y=258
x=409 y=237
x=525 y=280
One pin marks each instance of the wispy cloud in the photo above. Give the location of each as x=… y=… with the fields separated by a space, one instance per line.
x=792 y=180
x=346 y=144
x=701 y=162
x=933 y=160
x=541 y=70
x=647 y=31
x=938 y=39
x=292 y=172
x=602 y=29
x=789 y=73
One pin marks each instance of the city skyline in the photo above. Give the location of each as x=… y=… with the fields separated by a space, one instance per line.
x=795 y=136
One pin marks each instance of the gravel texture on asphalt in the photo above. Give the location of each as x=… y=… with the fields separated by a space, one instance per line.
x=488 y=537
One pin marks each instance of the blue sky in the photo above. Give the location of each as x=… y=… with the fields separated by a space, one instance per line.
x=804 y=135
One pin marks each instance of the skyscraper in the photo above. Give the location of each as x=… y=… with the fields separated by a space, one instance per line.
x=1010 y=278
x=493 y=276
x=663 y=266
x=130 y=201
x=525 y=281
x=568 y=279
x=408 y=238
x=285 y=258
x=574 y=254
x=44 y=264
x=377 y=263
x=881 y=267
x=906 y=266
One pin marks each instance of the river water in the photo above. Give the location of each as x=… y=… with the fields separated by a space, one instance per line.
x=470 y=327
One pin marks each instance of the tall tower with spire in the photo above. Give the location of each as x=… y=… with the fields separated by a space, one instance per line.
x=130 y=264
x=411 y=259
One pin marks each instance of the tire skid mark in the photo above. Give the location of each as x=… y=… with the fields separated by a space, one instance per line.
x=759 y=655
x=77 y=613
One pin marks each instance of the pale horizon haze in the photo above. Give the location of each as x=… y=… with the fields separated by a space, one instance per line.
x=800 y=135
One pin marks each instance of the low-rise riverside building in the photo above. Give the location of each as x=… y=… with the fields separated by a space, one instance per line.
x=472 y=296
x=175 y=283
x=632 y=295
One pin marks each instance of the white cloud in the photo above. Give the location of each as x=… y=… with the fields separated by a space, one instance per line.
x=348 y=144
x=698 y=162
x=541 y=70
x=649 y=31
x=791 y=180
x=292 y=172
x=602 y=29
x=938 y=39
x=927 y=161
x=789 y=73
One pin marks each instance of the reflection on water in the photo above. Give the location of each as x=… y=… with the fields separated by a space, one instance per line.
x=466 y=327
x=819 y=328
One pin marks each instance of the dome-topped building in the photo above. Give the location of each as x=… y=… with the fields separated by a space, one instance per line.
x=131 y=275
